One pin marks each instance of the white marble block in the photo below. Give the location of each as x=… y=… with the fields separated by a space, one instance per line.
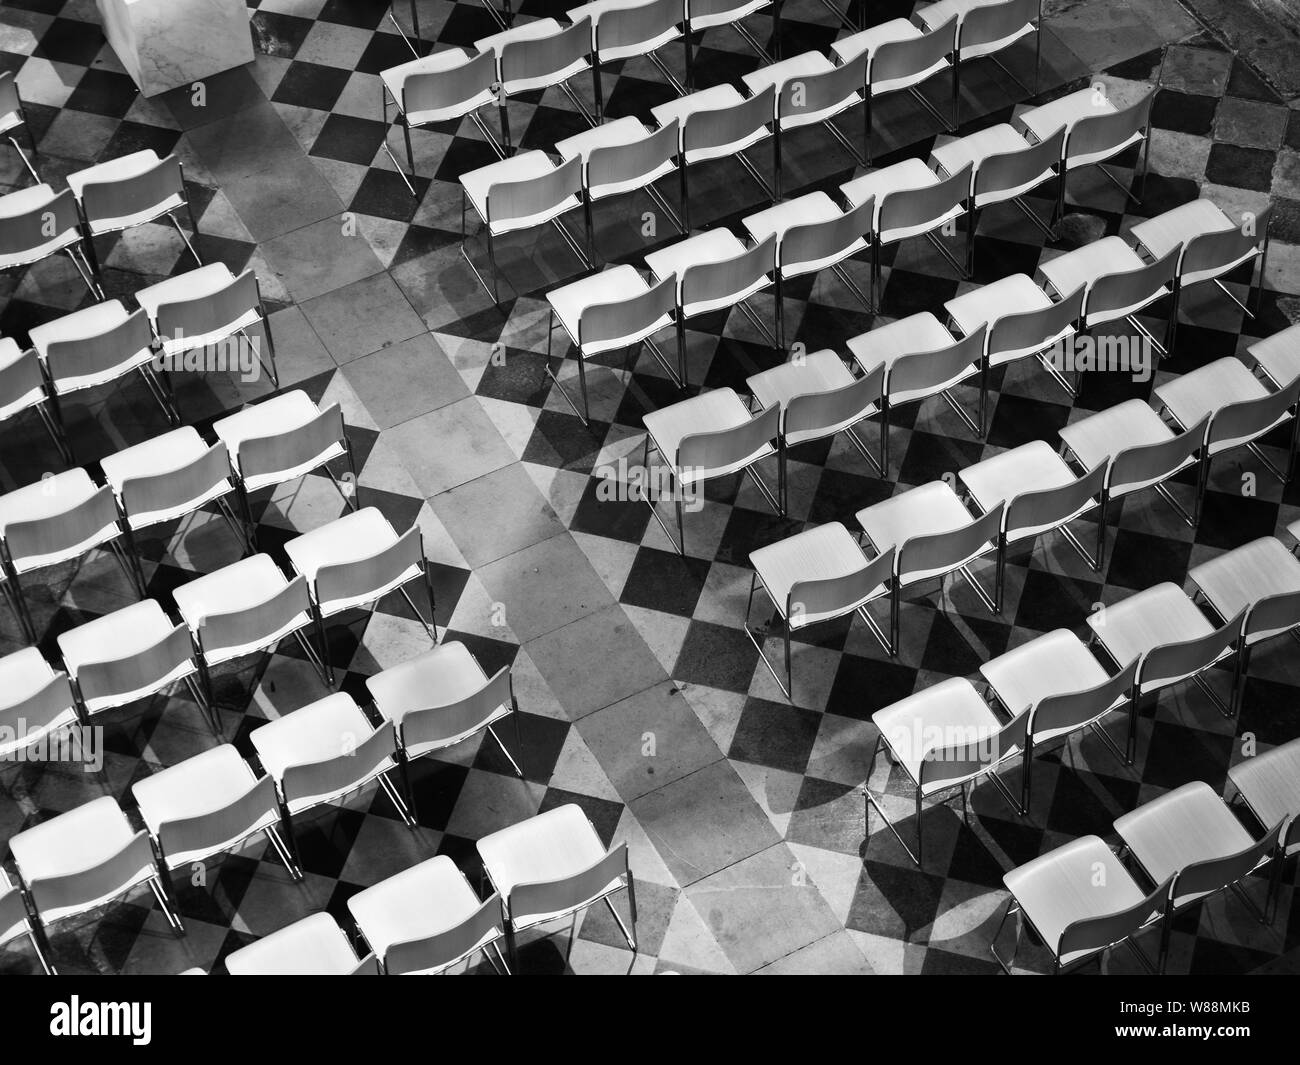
x=167 y=43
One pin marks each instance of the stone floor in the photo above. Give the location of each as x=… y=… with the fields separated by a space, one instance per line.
x=642 y=699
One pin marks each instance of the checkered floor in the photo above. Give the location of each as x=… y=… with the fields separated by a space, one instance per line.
x=642 y=699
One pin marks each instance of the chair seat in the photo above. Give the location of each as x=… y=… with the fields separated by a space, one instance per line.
x=113 y=637
x=314 y=946
x=1080 y=880
x=710 y=246
x=123 y=168
x=935 y=15
x=10 y=120
x=416 y=903
x=742 y=10
x=1155 y=616
x=617 y=284
x=1187 y=825
x=804 y=65
x=923 y=511
x=974 y=148
x=1085 y=265
x=277 y=415
x=820 y=371
x=192 y=285
x=912 y=335
x=620 y=52
x=1042 y=121
x=1208 y=389
x=524 y=31
x=240 y=586
x=1032 y=467
x=1243 y=576
x=1013 y=294
x=821 y=553
x=708 y=412
x=48 y=498
x=713 y=99
x=1279 y=355
x=1056 y=663
x=1100 y=437
x=911 y=173
x=160 y=455
x=22 y=674
x=395 y=79
x=356 y=535
x=522 y=167
x=803 y=210
x=1162 y=234
x=1270 y=784
x=948 y=714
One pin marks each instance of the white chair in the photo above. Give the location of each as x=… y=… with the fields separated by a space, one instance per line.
x=15 y=922
x=427 y=919
x=23 y=388
x=37 y=223
x=313 y=946
x=553 y=866
x=704 y=15
x=35 y=703
x=815 y=576
x=355 y=561
x=1269 y=785
x=81 y=860
x=616 y=309
x=708 y=436
x=987 y=27
x=13 y=115
x=129 y=191
x=206 y=806
x=1278 y=357
x=943 y=737
x=630 y=29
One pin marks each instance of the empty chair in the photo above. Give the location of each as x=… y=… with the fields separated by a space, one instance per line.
x=1063 y=688
x=911 y=201
x=715 y=271
x=538 y=55
x=943 y=737
x=1081 y=902
x=1278 y=356
x=15 y=922
x=58 y=519
x=518 y=193
x=130 y=654
x=243 y=609
x=935 y=536
x=921 y=361
x=816 y=575
x=1190 y=835
x=614 y=310
x=81 y=860
x=708 y=436
x=627 y=29
x=984 y=29
x=900 y=55
x=281 y=439
x=704 y=15
x=1174 y=641
x=552 y=866
x=812 y=233
x=718 y=123
x=95 y=346
x=203 y=308
x=323 y=752
x=355 y=561
x=313 y=946
x=443 y=87
x=169 y=478
x=1269 y=785
x=36 y=223
x=1022 y=323
x=443 y=697
x=129 y=191
x=13 y=115
x=206 y=806
x=35 y=703
x=1041 y=495
x=23 y=388
x=427 y=919
x=1241 y=411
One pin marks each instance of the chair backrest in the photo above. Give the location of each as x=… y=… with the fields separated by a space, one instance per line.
x=943 y=552
x=8 y=94
x=1115 y=292
x=833 y=595
x=139 y=672
x=895 y=60
x=13 y=911
x=254 y=624
x=1105 y=134
x=93 y=356
x=929 y=372
x=1214 y=253
x=21 y=377
x=639 y=160
x=1014 y=170
x=38 y=709
x=814 y=242
x=628 y=25
x=214 y=313
x=724 y=447
x=909 y=208
x=1052 y=507
x=442 y=949
x=148 y=190
x=990 y=23
x=974 y=754
x=1073 y=710
x=370 y=576
x=1033 y=330
x=24 y=231
x=186 y=485
x=1092 y=934
x=66 y=895
x=822 y=410
x=546 y=57
x=707 y=282
x=1172 y=662
x=262 y=456
x=1251 y=418
x=1146 y=464
x=726 y=125
x=1273 y=613
x=362 y=760
x=63 y=532
x=571 y=893
x=455 y=87
x=631 y=317
x=508 y=200
x=802 y=96
x=439 y=724
x=1215 y=874
x=212 y=832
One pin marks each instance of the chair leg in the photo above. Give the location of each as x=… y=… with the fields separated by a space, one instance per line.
x=160 y=893
x=323 y=646
x=1015 y=950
